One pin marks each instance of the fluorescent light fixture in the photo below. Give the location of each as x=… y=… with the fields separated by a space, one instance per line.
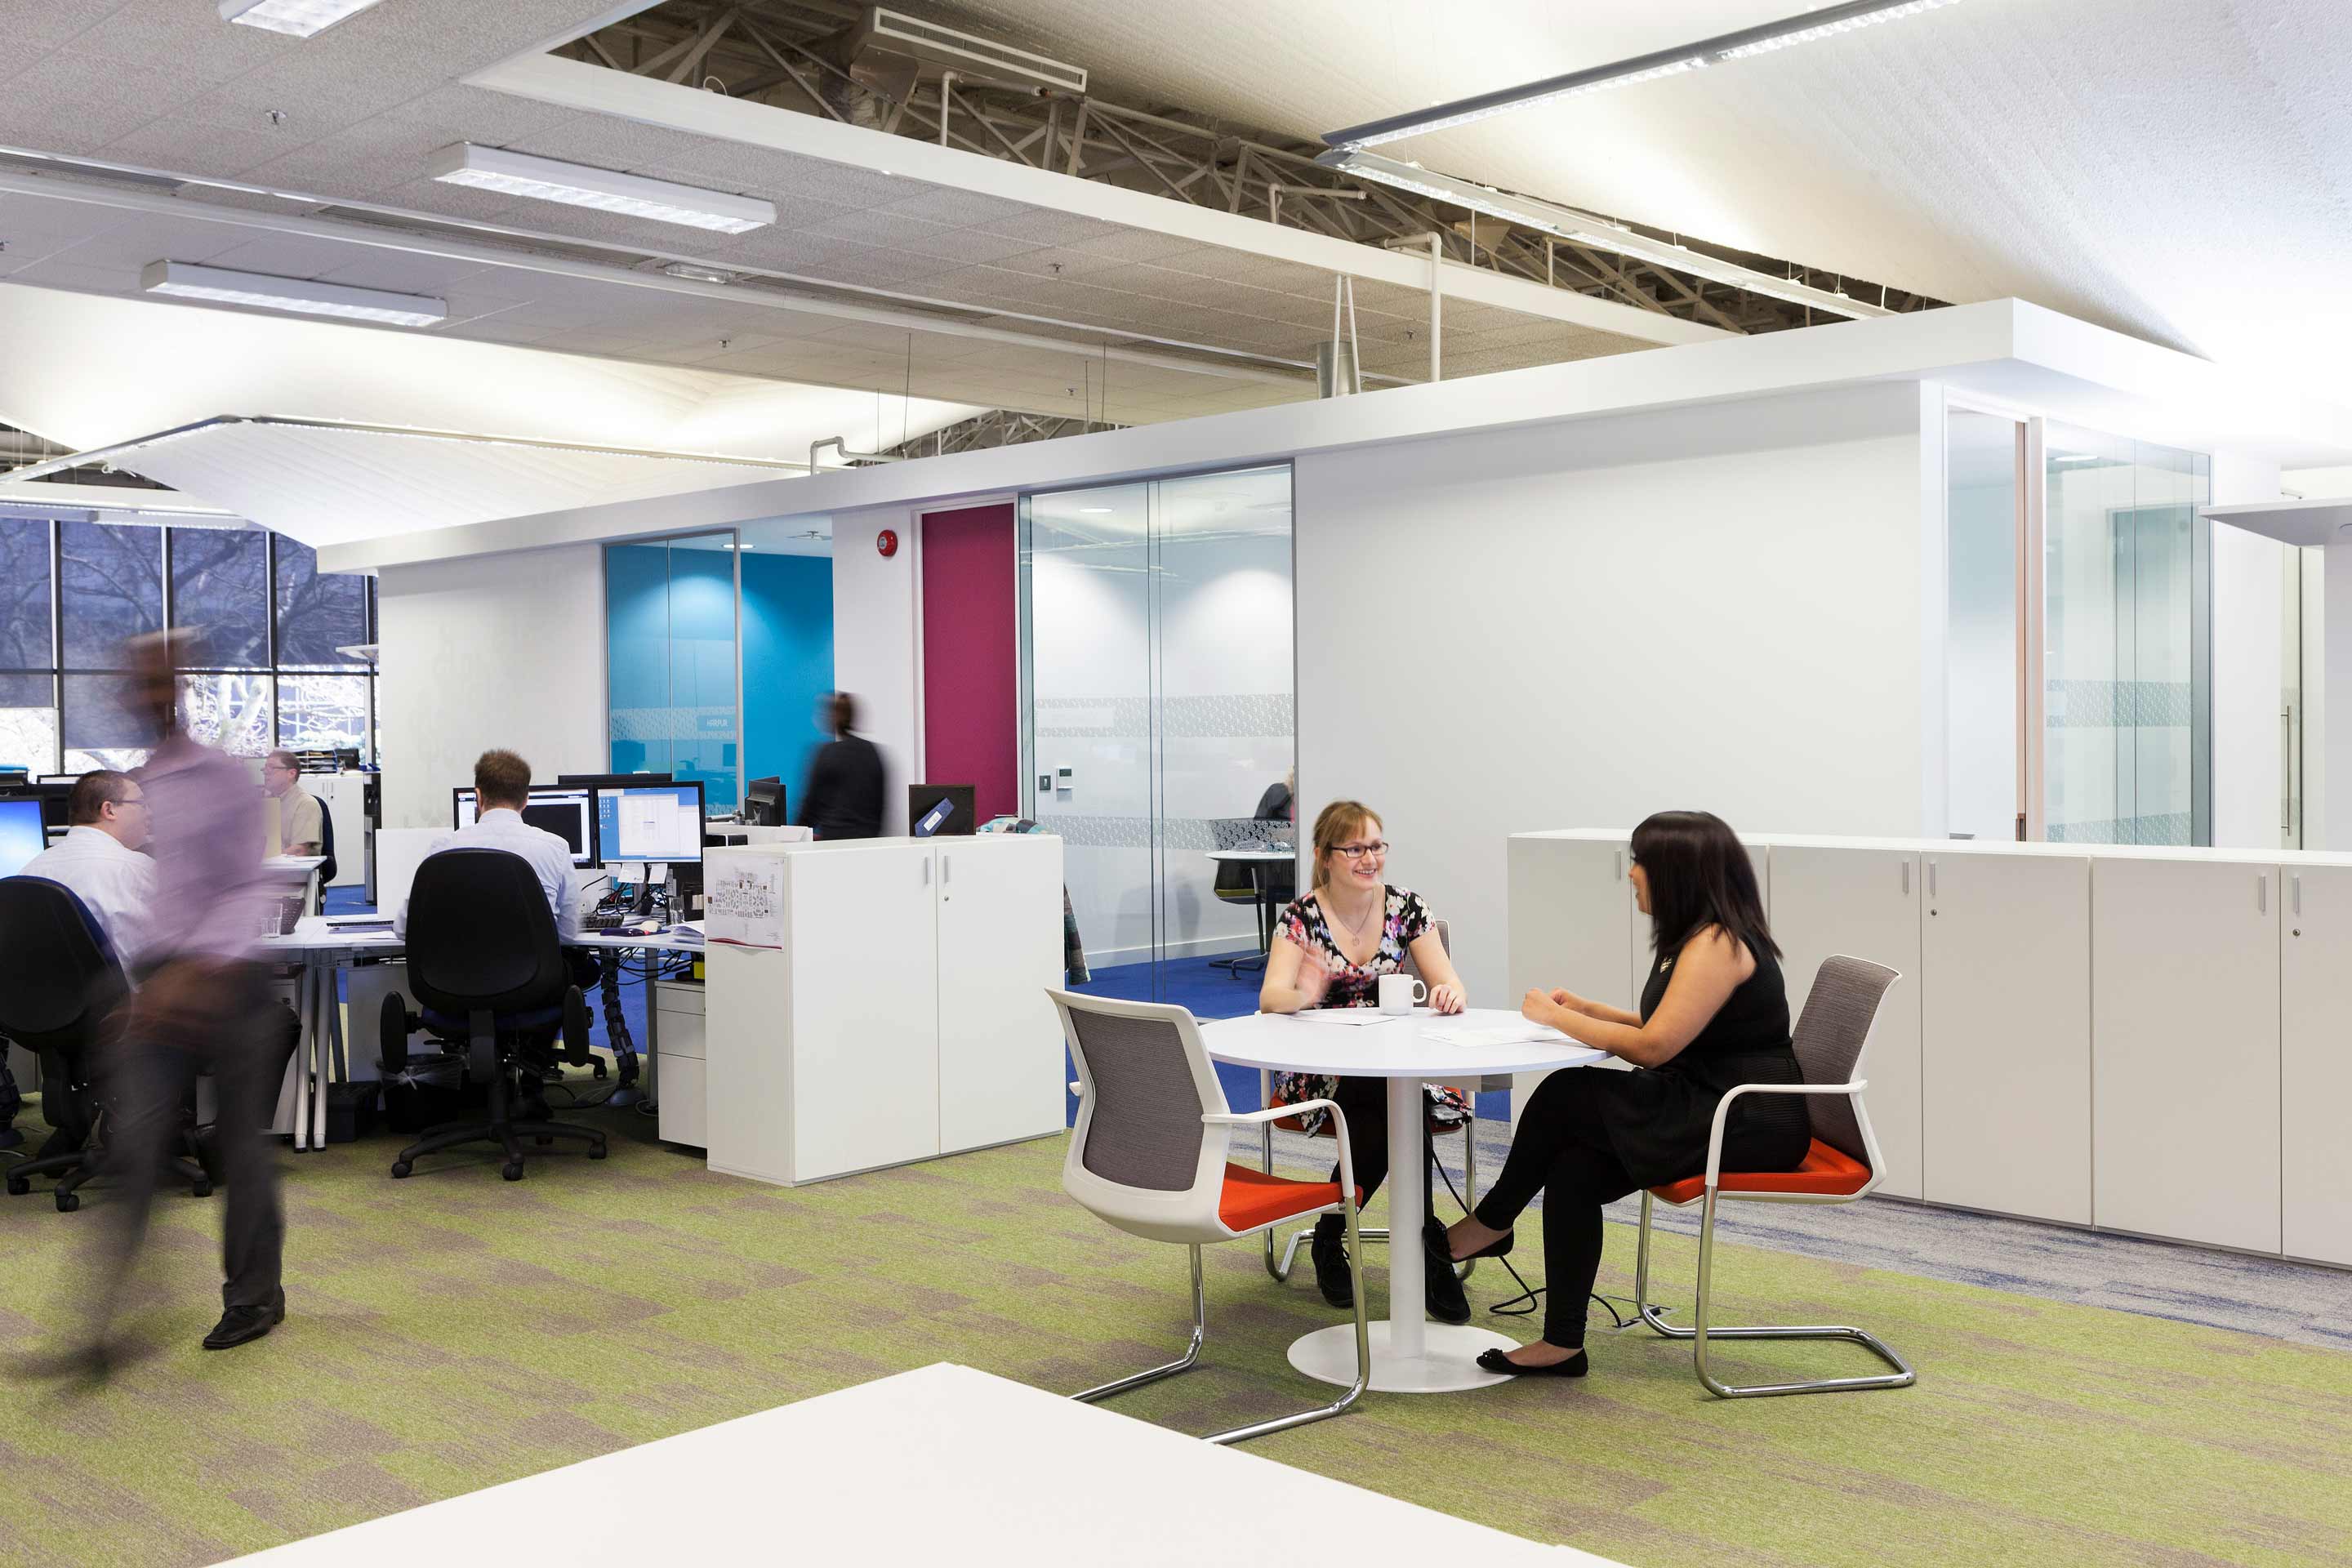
x=299 y=17
x=2075 y=458
x=695 y=272
x=577 y=185
x=1827 y=21
x=1586 y=229
x=183 y=280
x=1095 y=509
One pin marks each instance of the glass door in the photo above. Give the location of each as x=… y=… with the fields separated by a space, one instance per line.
x=1159 y=734
x=1985 y=756
x=672 y=650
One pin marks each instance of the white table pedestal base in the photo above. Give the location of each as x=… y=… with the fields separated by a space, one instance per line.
x=1448 y=1363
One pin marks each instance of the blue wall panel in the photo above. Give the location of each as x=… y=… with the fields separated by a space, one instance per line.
x=787 y=664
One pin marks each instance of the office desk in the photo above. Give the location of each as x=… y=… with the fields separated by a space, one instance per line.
x=323 y=949
x=1410 y=1354
x=943 y=1465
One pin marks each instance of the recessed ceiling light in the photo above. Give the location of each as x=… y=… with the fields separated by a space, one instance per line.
x=579 y=185
x=182 y=281
x=300 y=18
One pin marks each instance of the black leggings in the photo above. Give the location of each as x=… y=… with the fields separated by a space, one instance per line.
x=1562 y=1149
x=1364 y=1101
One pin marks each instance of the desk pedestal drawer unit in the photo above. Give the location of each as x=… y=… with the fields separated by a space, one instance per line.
x=2139 y=1038
x=679 y=1094
x=880 y=1001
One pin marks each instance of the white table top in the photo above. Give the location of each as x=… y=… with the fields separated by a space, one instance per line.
x=1252 y=853
x=1393 y=1048
x=312 y=934
x=944 y=1465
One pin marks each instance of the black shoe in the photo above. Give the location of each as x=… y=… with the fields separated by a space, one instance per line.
x=1441 y=1285
x=1329 y=1251
x=1576 y=1365
x=239 y=1324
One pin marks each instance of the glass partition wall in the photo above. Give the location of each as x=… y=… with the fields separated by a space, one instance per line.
x=1157 y=720
x=672 y=650
x=2077 y=647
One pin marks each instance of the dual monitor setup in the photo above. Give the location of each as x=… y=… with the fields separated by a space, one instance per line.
x=609 y=819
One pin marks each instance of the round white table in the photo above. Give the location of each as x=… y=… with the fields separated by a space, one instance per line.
x=1409 y=1353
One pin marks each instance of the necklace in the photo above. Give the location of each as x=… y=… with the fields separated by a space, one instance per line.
x=1357 y=929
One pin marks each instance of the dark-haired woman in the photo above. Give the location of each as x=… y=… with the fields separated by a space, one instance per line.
x=1714 y=1014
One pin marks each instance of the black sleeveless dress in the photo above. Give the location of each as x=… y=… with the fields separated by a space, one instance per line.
x=1659 y=1117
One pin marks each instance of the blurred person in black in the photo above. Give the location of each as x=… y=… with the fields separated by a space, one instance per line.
x=202 y=1003
x=844 y=798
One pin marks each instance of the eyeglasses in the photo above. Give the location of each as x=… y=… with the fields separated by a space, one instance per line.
x=1357 y=851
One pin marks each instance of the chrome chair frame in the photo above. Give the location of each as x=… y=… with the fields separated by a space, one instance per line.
x=1701 y=1332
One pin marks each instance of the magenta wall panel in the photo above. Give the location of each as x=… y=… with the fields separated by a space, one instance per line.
x=971 y=690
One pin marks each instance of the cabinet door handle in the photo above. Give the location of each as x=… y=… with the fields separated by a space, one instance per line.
x=2295 y=889
x=1931 y=879
x=2263 y=894
x=947 y=869
x=1617 y=866
x=926 y=870
x=1906 y=878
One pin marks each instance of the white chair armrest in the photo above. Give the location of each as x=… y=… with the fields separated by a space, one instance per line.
x=1723 y=1112
x=1078 y=1088
x=1277 y=1112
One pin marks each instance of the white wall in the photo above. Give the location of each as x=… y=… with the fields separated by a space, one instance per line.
x=502 y=650
x=1718 y=608
x=876 y=644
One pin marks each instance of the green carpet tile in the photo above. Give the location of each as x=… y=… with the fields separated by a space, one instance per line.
x=454 y=1331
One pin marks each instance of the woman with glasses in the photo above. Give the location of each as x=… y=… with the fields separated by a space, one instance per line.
x=1349 y=929
x=1714 y=1014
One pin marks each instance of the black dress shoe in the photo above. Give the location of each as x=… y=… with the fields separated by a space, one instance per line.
x=240 y=1324
x=1441 y=1286
x=1329 y=1250
x=1576 y=1365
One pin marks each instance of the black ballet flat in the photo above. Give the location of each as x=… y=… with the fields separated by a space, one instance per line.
x=1492 y=1249
x=1576 y=1365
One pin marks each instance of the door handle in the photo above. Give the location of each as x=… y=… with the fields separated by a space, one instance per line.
x=926 y=870
x=2263 y=894
x=947 y=869
x=1906 y=878
x=2294 y=891
x=1617 y=866
x=1931 y=879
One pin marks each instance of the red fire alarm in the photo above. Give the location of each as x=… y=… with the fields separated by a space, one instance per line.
x=887 y=542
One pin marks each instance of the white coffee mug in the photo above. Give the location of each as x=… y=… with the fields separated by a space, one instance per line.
x=1399 y=992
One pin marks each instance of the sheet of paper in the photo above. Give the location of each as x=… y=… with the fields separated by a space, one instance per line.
x=1491 y=1034
x=744 y=903
x=1353 y=1018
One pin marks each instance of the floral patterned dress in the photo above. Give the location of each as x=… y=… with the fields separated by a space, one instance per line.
x=1303 y=923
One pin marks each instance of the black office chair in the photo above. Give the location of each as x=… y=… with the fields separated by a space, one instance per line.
x=484 y=960
x=1268 y=885
x=60 y=985
x=326 y=847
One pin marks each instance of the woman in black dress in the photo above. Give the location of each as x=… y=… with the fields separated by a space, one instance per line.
x=1714 y=1014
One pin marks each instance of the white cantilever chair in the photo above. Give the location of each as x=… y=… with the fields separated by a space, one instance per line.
x=1149 y=1155
x=1279 y=1263
x=1842 y=1167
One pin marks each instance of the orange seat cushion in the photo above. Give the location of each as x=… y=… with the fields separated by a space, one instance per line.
x=1826 y=1172
x=1252 y=1198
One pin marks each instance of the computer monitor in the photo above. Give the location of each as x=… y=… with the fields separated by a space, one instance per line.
x=650 y=822
x=58 y=778
x=608 y=781
x=20 y=834
x=764 y=802
x=16 y=776
x=569 y=813
x=940 y=810
x=52 y=800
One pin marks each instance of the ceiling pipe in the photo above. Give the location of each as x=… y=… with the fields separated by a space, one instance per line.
x=841 y=445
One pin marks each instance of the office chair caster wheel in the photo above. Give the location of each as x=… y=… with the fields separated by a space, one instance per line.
x=400 y=1168
x=597 y=1064
x=18 y=1186
x=512 y=1169
x=201 y=1190
x=542 y=1140
x=68 y=1201
x=596 y=1153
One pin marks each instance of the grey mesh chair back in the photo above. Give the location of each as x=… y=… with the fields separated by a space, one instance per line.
x=1829 y=1038
x=1145 y=1127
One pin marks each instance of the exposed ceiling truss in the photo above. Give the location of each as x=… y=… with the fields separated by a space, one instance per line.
x=802 y=55
x=997 y=427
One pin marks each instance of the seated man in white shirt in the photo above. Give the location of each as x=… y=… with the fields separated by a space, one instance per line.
x=501 y=785
x=98 y=862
